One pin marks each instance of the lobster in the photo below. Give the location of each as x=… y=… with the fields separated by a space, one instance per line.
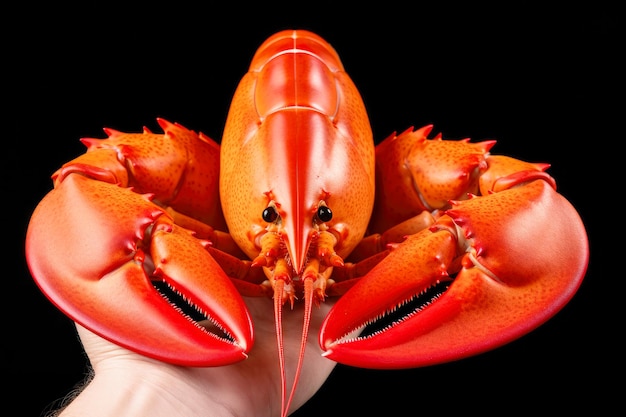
x=456 y=251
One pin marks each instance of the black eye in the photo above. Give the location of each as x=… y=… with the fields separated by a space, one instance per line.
x=270 y=214
x=324 y=213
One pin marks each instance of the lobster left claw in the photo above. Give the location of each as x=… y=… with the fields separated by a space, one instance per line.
x=119 y=265
x=505 y=268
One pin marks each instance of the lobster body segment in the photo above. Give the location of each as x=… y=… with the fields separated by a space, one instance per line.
x=292 y=126
x=435 y=249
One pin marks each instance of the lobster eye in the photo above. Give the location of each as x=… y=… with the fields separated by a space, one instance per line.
x=324 y=213
x=270 y=214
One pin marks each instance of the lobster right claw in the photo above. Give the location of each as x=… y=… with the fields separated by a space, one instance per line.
x=94 y=249
x=516 y=258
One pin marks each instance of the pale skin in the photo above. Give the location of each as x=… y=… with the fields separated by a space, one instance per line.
x=129 y=384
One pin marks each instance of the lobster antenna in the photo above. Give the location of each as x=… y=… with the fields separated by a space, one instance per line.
x=278 y=309
x=308 y=303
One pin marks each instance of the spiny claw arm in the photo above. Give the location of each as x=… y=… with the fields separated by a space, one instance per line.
x=491 y=269
x=179 y=168
x=105 y=253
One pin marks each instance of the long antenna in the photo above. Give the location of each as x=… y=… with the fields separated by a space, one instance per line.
x=278 y=309
x=308 y=303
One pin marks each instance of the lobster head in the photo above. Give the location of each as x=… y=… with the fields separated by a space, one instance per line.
x=297 y=141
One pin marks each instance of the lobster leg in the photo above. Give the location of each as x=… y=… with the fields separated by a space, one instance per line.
x=491 y=269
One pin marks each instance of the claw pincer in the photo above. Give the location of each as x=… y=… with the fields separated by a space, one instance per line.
x=96 y=246
x=489 y=270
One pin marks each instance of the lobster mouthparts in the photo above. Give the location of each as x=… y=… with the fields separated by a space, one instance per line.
x=511 y=269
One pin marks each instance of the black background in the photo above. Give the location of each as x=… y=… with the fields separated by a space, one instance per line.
x=543 y=81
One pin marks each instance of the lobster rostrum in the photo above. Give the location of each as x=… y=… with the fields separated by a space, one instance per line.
x=436 y=249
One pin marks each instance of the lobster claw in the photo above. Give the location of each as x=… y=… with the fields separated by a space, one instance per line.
x=95 y=268
x=508 y=267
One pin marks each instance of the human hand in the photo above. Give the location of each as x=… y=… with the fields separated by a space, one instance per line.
x=128 y=384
